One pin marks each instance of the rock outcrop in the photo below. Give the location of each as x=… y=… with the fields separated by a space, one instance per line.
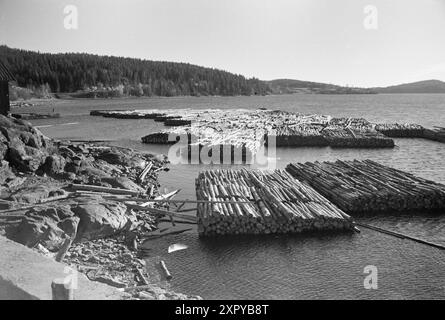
x=41 y=210
x=23 y=146
x=35 y=169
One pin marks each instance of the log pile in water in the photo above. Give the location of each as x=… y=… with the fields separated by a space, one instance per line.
x=350 y=122
x=176 y=122
x=250 y=129
x=306 y=135
x=404 y=130
x=435 y=134
x=256 y=202
x=347 y=137
x=369 y=187
x=354 y=133
x=160 y=138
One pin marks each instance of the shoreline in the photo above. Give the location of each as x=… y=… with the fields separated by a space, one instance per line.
x=41 y=208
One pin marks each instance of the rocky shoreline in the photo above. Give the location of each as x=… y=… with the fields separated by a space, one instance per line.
x=41 y=208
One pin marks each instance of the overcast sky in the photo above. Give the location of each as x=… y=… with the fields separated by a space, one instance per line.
x=316 y=40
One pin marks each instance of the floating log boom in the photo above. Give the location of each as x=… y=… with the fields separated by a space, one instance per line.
x=273 y=203
x=359 y=187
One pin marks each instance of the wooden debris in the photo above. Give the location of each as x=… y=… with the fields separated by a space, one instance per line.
x=141 y=276
x=144 y=173
x=88 y=187
x=167 y=274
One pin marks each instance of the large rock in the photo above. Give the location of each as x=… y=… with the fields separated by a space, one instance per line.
x=100 y=218
x=5 y=172
x=3 y=146
x=123 y=183
x=49 y=226
x=23 y=146
x=30 y=136
x=24 y=158
x=86 y=218
x=121 y=157
x=36 y=192
x=54 y=164
x=94 y=172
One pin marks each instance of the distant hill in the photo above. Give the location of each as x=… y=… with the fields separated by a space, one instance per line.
x=285 y=86
x=289 y=86
x=427 y=86
x=107 y=76
x=88 y=75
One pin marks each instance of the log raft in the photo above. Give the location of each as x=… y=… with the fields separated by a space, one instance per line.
x=272 y=203
x=253 y=128
x=435 y=134
x=363 y=187
x=403 y=130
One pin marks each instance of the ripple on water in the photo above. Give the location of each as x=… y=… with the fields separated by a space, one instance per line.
x=298 y=267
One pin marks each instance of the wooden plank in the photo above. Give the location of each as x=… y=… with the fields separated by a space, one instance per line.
x=104 y=189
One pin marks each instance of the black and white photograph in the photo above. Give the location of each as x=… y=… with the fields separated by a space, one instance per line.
x=201 y=151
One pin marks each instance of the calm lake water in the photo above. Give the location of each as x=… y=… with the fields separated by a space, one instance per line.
x=290 y=267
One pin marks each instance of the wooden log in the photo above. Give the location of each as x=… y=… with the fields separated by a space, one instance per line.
x=276 y=204
x=104 y=189
x=144 y=172
x=141 y=276
x=167 y=274
x=366 y=186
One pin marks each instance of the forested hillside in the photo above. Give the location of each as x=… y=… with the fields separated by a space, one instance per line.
x=116 y=76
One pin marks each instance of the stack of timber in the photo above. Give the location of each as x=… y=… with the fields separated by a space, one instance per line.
x=177 y=122
x=354 y=133
x=368 y=187
x=304 y=135
x=250 y=129
x=256 y=202
x=435 y=134
x=350 y=122
x=158 y=138
x=347 y=137
x=163 y=118
x=404 y=130
x=166 y=137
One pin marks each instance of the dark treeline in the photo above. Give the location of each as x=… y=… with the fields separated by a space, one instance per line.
x=72 y=72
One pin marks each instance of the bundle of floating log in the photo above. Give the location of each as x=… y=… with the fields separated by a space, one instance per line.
x=346 y=137
x=255 y=202
x=163 y=118
x=350 y=122
x=435 y=134
x=248 y=127
x=405 y=130
x=176 y=122
x=158 y=138
x=297 y=136
x=140 y=114
x=369 y=187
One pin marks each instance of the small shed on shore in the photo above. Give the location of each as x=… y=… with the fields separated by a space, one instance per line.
x=5 y=77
